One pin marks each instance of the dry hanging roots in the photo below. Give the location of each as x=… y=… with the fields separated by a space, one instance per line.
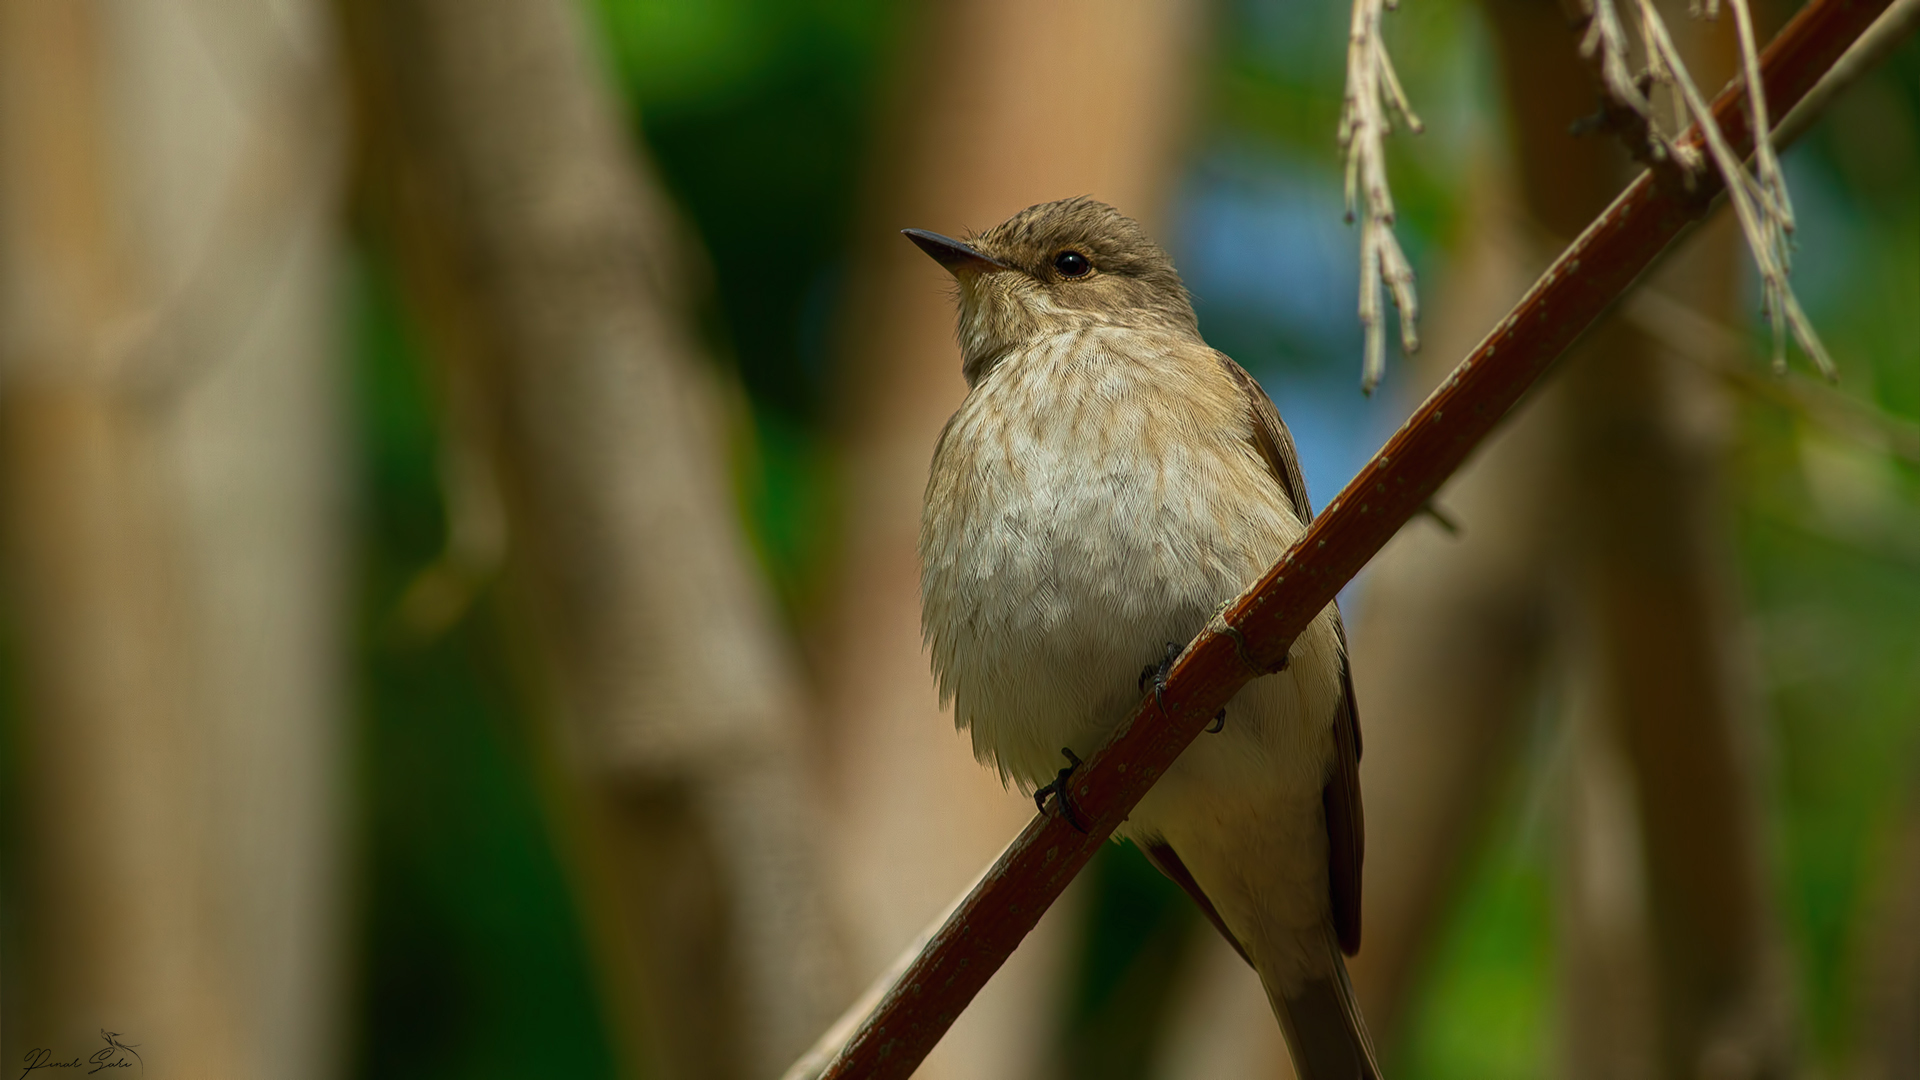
x=1760 y=199
x=1373 y=97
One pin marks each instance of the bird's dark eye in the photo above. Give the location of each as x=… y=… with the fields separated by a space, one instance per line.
x=1071 y=264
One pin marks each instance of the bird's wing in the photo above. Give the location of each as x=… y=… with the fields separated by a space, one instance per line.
x=1272 y=439
x=1346 y=826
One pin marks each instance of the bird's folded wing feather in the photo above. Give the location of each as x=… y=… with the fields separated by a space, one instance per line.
x=1272 y=439
x=1346 y=827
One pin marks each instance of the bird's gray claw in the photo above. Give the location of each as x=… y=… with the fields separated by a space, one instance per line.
x=1058 y=789
x=1219 y=723
x=1240 y=647
x=1157 y=675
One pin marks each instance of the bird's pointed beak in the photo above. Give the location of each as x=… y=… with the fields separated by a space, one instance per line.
x=951 y=253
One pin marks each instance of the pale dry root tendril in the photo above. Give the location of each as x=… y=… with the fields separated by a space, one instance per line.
x=1606 y=44
x=1760 y=199
x=1664 y=69
x=1607 y=39
x=1374 y=94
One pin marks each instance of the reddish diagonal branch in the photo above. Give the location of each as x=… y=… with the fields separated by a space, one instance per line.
x=1594 y=272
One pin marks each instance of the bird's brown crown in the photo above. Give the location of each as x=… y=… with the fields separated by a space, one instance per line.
x=1066 y=265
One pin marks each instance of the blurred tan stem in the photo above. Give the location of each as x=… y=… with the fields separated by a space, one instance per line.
x=1886 y=956
x=171 y=492
x=968 y=141
x=544 y=264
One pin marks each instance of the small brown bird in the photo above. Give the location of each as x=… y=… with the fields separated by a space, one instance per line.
x=1108 y=485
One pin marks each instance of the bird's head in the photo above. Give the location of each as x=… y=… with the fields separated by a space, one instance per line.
x=1053 y=268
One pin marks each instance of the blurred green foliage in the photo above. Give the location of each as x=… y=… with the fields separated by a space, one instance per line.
x=758 y=115
x=1830 y=544
x=1135 y=943
x=1488 y=1006
x=472 y=962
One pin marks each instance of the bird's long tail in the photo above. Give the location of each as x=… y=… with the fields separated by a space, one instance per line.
x=1322 y=1023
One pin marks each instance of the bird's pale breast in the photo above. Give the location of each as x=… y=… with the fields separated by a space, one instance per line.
x=1094 y=498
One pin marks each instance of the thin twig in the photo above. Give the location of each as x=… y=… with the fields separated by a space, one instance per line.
x=1374 y=94
x=1606 y=40
x=1661 y=72
x=1625 y=106
x=1772 y=183
x=1257 y=629
x=1721 y=351
x=1898 y=23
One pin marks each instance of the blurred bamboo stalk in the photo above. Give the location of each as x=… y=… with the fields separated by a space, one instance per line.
x=1886 y=958
x=1220 y=1023
x=963 y=147
x=548 y=273
x=173 y=552
x=1646 y=445
x=1662 y=627
x=1607 y=963
x=1556 y=539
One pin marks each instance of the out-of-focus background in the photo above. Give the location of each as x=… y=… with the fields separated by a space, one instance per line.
x=460 y=463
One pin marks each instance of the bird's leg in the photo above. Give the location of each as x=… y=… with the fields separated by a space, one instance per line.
x=1157 y=674
x=1059 y=789
x=1240 y=647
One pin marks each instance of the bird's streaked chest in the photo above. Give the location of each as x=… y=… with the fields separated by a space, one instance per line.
x=1091 y=500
